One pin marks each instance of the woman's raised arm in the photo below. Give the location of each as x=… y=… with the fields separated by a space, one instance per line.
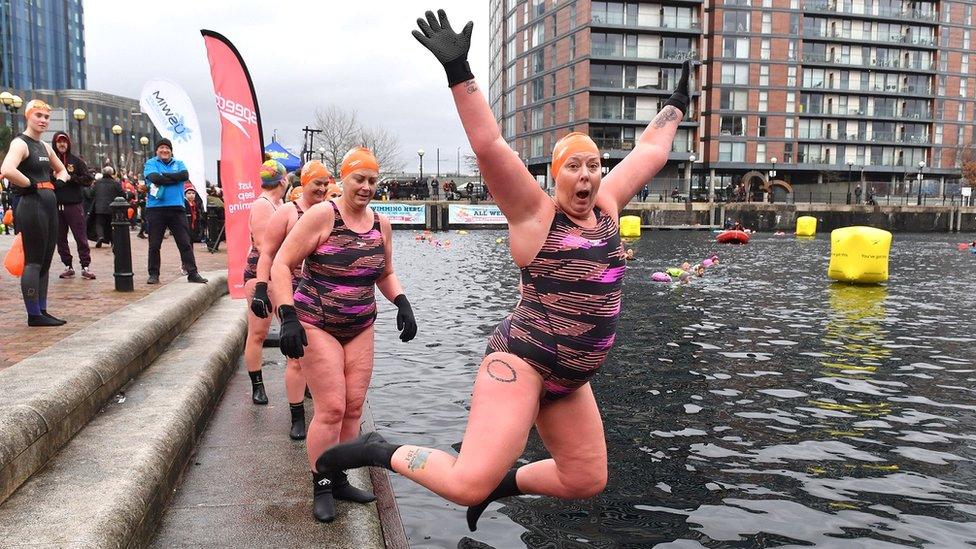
x=516 y=192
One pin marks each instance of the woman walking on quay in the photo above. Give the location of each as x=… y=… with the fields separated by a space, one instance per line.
x=348 y=252
x=274 y=183
x=28 y=166
x=540 y=359
x=316 y=183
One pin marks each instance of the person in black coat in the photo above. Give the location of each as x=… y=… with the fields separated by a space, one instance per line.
x=106 y=190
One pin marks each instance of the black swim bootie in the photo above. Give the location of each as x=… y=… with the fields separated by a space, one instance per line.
x=323 y=506
x=342 y=489
x=41 y=320
x=297 y=421
x=258 y=396
x=54 y=318
x=507 y=487
x=369 y=449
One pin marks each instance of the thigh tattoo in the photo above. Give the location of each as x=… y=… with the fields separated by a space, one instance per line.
x=500 y=370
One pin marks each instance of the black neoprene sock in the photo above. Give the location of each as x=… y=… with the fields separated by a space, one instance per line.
x=370 y=449
x=506 y=488
x=255 y=377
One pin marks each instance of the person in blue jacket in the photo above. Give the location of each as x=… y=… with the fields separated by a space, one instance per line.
x=164 y=210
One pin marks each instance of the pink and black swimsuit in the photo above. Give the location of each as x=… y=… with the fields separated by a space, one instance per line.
x=566 y=321
x=253 y=254
x=337 y=291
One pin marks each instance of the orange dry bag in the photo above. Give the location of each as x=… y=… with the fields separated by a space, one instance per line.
x=14 y=261
x=8 y=217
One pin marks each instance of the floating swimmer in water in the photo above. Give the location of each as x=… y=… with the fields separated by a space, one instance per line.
x=630 y=255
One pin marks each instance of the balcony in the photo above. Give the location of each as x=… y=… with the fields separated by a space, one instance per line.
x=897 y=39
x=643 y=54
x=877 y=89
x=882 y=64
x=832 y=7
x=879 y=138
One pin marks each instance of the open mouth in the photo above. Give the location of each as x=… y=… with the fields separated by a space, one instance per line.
x=582 y=195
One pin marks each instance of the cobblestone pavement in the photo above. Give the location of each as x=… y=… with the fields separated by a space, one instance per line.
x=81 y=301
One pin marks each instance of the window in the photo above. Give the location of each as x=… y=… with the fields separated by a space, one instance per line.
x=572 y=16
x=761 y=153
x=572 y=45
x=763 y=75
x=572 y=107
x=732 y=125
x=788 y=153
x=767 y=22
x=537 y=89
x=735 y=73
x=572 y=76
x=731 y=152
x=538 y=34
x=764 y=51
x=736 y=21
x=761 y=130
x=737 y=48
x=538 y=62
x=791 y=76
x=788 y=130
x=763 y=101
x=735 y=100
x=535 y=145
x=790 y=102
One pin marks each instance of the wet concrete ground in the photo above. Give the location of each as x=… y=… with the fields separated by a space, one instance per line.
x=248 y=485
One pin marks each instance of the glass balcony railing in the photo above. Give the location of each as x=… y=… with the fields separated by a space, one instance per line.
x=890 y=39
x=832 y=7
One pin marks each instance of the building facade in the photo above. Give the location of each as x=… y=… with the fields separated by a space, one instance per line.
x=811 y=92
x=42 y=44
x=92 y=138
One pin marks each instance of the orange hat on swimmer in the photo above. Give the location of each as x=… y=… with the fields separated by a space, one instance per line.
x=36 y=105
x=570 y=144
x=314 y=170
x=358 y=158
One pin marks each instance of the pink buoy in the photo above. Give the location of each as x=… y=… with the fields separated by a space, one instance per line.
x=706 y=263
x=661 y=277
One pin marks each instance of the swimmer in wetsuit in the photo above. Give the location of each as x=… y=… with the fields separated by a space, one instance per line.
x=28 y=166
x=274 y=183
x=348 y=252
x=541 y=358
x=316 y=185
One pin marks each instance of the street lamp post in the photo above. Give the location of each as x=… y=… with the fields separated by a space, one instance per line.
x=12 y=103
x=691 y=161
x=420 y=153
x=921 y=167
x=144 y=141
x=850 y=175
x=322 y=155
x=772 y=174
x=79 y=116
x=117 y=130
x=606 y=165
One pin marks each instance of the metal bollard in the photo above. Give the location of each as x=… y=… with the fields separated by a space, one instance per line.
x=121 y=246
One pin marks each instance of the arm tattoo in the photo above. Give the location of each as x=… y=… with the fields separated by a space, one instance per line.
x=500 y=370
x=417 y=458
x=668 y=114
x=471 y=86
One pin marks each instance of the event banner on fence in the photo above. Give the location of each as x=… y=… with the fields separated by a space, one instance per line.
x=402 y=214
x=468 y=214
x=171 y=111
x=241 y=149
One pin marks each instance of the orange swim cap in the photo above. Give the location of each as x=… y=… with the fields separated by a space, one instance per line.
x=570 y=144
x=314 y=170
x=295 y=194
x=358 y=158
x=36 y=105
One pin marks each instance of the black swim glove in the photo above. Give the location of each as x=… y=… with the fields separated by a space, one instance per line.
x=682 y=95
x=292 y=340
x=405 y=320
x=449 y=47
x=261 y=303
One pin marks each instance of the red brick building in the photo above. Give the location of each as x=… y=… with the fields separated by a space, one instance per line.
x=818 y=90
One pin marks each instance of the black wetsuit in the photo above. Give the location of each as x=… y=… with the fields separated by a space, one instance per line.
x=37 y=221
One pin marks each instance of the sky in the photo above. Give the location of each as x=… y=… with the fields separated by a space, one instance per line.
x=302 y=55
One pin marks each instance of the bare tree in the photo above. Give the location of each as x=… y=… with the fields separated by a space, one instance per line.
x=471 y=161
x=340 y=129
x=385 y=146
x=969 y=163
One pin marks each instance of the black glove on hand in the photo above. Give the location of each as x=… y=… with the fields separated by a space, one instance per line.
x=682 y=95
x=261 y=303
x=405 y=321
x=292 y=340
x=449 y=47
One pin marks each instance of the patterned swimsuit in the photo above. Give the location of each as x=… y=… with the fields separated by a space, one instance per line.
x=251 y=268
x=337 y=290
x=566 y=321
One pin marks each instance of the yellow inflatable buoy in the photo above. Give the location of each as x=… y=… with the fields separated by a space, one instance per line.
x=806 y=225
x=499 y=240
x=859 y=255
x=462 y=231
x=630 y=226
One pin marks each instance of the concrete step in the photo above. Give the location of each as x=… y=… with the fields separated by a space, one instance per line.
x=109 y=484
x=248 y=484
x=49 y=396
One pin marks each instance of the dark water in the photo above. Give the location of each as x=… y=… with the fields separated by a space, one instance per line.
x=761 y=406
